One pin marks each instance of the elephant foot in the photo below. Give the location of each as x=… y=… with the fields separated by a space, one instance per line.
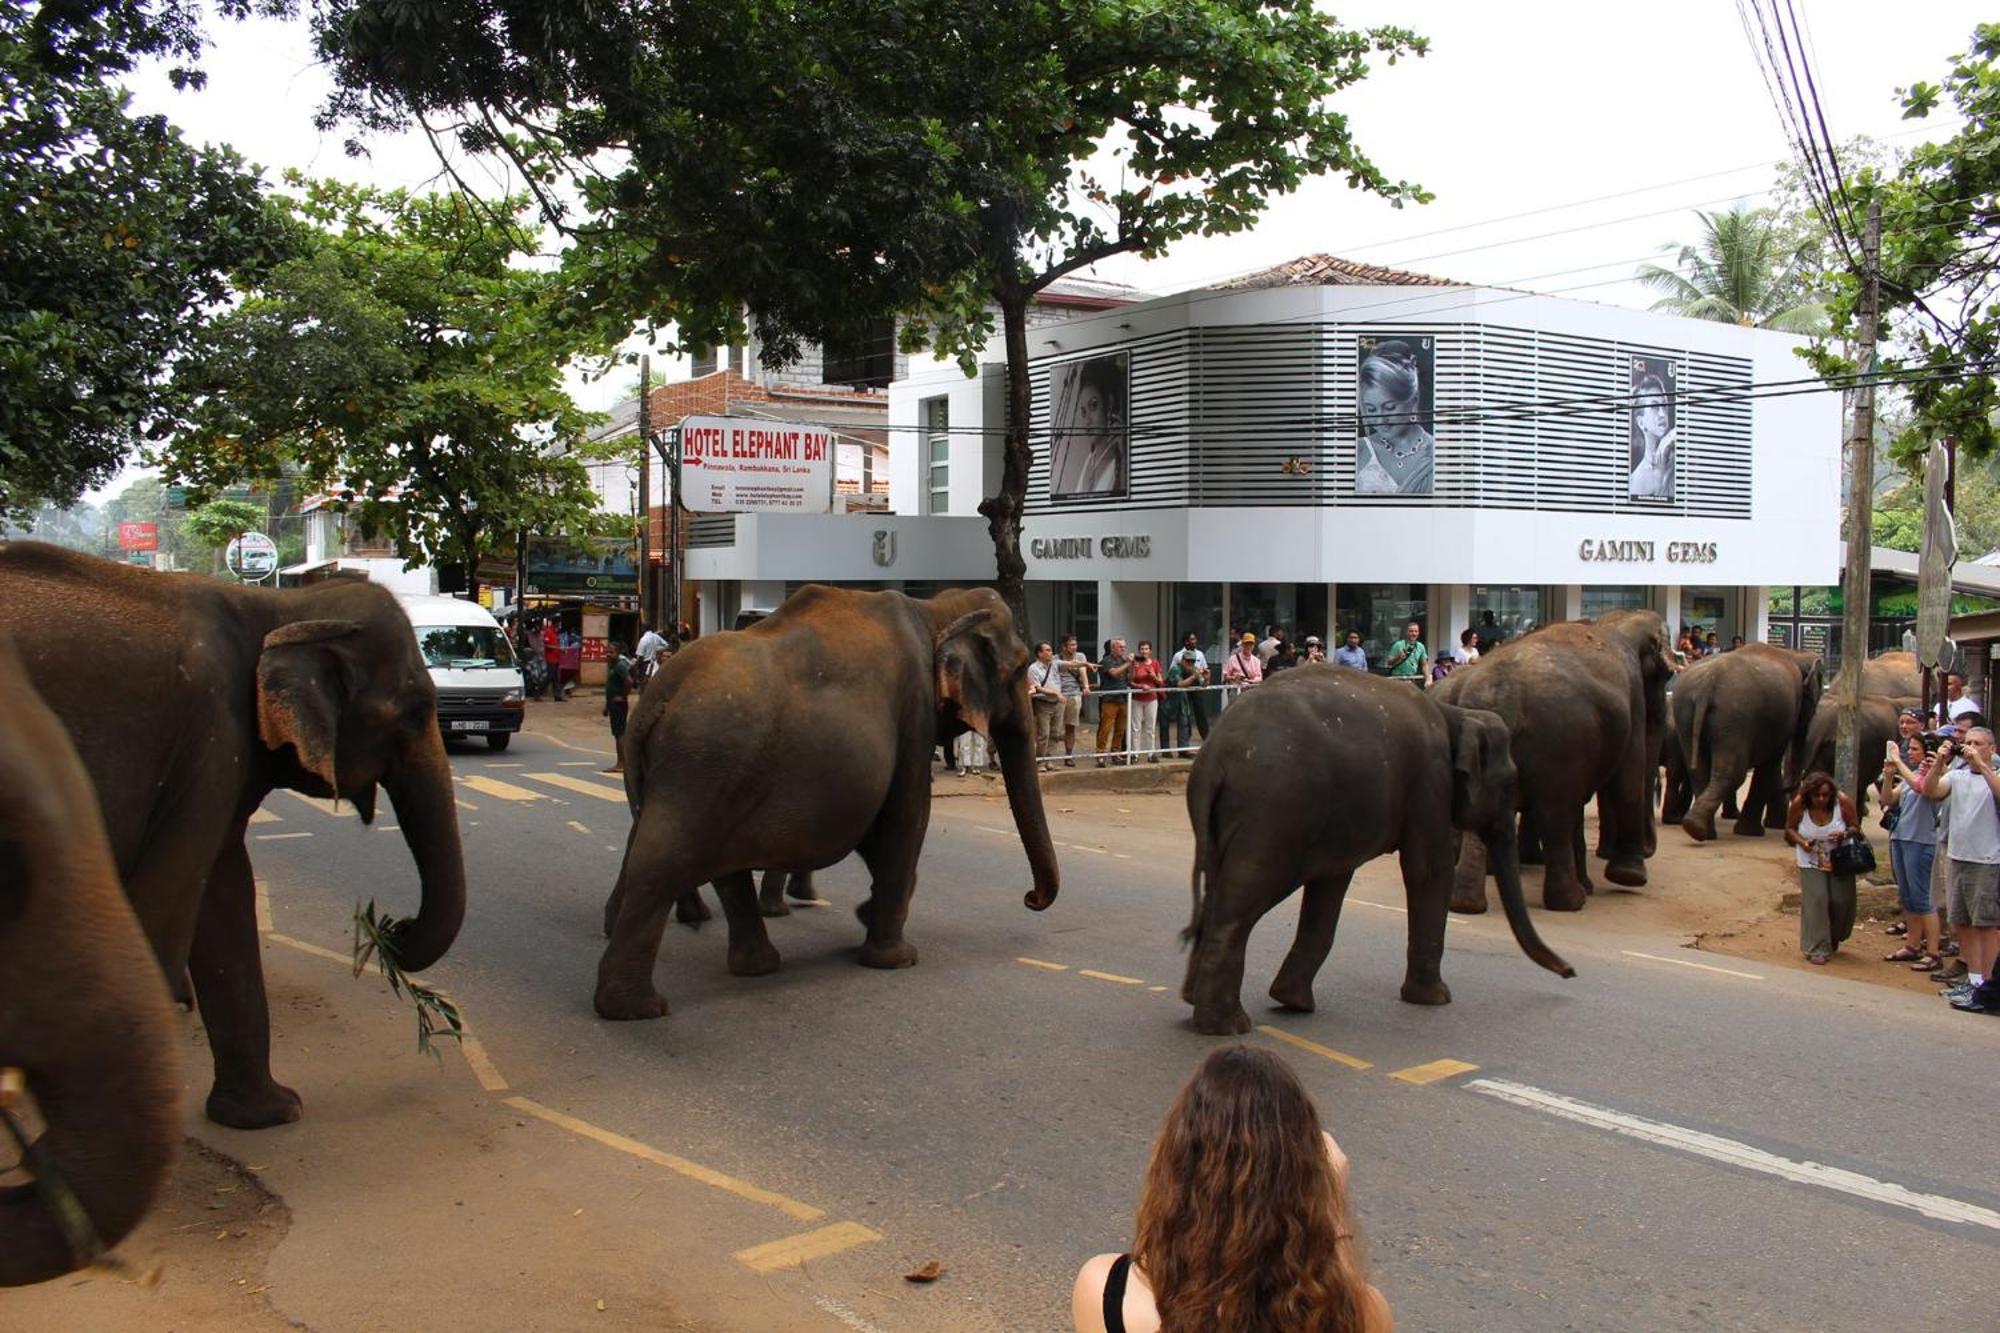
x=1530 y=856
x=754 y=962
x=800 y=887
x=1221 y=1020
x=772 y=907
x=621 y=1004
x=1470 y=902
x=1563 y=897
x=256 y=1107
x=690 y=910
x=1627 y=873
x=1699 y=830
x=1296 y=996
x=1748 y=828
x=901 y=953
x=1426 y=992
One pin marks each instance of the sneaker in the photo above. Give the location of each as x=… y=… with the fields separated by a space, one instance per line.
x=1969 y=1004
x=1962 y=991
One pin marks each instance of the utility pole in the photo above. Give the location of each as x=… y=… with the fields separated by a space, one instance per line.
x=645 y=491
x=1855 y=588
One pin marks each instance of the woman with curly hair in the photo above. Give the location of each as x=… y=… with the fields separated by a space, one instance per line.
x=1243 y=1221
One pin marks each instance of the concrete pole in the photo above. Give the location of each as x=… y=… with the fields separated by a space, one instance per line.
x=1860 y=515
x=646 y=607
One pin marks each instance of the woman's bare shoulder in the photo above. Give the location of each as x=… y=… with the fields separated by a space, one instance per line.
x=1375 y=1316
x=1086 y=1298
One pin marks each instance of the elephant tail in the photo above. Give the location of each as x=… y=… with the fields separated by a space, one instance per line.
x=1695 y=732
x=1201 y=811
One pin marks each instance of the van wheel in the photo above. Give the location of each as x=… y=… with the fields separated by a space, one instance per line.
x=497 y=740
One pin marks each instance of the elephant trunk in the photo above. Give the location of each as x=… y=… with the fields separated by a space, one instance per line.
x=427 y=811
x=1503 y=852
x=1024 y=797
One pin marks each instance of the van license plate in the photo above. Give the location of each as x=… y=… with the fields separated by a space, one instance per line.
x=478 y=724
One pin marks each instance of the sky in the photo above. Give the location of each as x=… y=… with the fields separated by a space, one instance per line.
x=1607 y=123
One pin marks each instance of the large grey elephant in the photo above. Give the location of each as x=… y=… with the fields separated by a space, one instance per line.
x=1878 y=727
x=1307 y=778
x=1747 y=712
x=85 y=1021
x=1574 y=698
x=190 y=701
x=805 y=737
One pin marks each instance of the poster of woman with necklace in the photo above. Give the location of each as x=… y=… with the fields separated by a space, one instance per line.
x=1395 y=449
x=1087 y=444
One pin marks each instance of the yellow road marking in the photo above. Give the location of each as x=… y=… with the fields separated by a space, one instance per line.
x=481 y=1064
x=505 y=791
x=578 y=826
x=803 y=1212
x=320 y=804
x=1110 y=976
x=264 y=817
x=1048 y=967
x=568 y=783
x=263 y=905
x=312 y=949
x=1338 y=1057
x=580 y=749
x=1432 y=1072
x=1156 y=988
x=793 y=1251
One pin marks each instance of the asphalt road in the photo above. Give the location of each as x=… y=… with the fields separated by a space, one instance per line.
x=1651 y=1145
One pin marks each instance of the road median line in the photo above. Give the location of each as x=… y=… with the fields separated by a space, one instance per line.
x=1682 y=962
x=1338 y=1057
x=795 y=1251
x=1425 y=1074
x=568 y=783
x=1110 y=976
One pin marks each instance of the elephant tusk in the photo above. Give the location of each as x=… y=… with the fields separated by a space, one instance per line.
x=13 y=1088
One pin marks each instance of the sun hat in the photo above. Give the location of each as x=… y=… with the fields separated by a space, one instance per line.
x=1311 y=639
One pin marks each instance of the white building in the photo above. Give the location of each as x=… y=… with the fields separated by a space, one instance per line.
x=1239 y=494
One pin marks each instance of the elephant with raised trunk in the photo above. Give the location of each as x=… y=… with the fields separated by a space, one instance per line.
x=1574 y=697
x=84 y=1014
x=805 y=737
x=1745 y=712
x=191 y=700
x=1303 y=781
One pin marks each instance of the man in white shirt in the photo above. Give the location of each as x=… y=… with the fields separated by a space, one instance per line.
x=1974 y=850
x=1956 y=702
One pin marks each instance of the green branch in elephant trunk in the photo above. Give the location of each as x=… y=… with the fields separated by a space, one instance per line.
x=437 y=1016
x=427 y=812
x=1503 y=851
x=1024 y=798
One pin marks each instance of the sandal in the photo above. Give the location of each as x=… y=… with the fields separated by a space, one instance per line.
x=1903 y=955
x=1816 y=959
x=1930 y=962
x=1950 y=950
x=1899 y=929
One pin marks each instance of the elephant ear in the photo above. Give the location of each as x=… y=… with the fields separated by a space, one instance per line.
x=966 y=672
x=301 y=690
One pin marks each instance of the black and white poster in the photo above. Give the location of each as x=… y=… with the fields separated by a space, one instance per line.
x=1394 y=451
x=1653 y=410
x=1087 y=428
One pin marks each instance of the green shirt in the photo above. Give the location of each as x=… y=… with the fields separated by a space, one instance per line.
x=1413 y=660
x=618 y=677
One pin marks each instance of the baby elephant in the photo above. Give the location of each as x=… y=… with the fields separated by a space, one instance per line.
x=1306 y=778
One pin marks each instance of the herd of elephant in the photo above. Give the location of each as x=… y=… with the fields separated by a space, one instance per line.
x=144 y=719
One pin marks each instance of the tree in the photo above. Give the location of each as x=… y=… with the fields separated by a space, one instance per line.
x=825 y=165
x=115 y=237
x=220 y=522
x=406 y=358
x=1748 y=268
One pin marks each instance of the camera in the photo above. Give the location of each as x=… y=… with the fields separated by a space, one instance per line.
x=1932 y=741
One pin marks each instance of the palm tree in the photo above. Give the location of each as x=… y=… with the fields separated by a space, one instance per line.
x=1743 y=271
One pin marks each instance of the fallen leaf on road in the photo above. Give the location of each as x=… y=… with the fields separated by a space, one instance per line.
x=600 y=1306
x=577 y=1213
x=931 y=1271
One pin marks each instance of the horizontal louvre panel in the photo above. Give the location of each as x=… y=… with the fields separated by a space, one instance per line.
x=1525 y=419
x=710 y=530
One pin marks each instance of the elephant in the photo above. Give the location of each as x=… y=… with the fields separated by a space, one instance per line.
x=1895 y=675
x=1573 y=696
x=798 y=740
x=85 y=1020
x=777 y=886
x=190 y=700
x=1645 y=633
x=1878 y=728
x=1745 y=712
x=1401 y=771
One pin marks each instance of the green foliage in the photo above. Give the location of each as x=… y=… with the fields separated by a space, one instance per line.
x=1940 y=239
x=406 y=356
x=220 y=522
x=1747 y=268
x=115 y=237
x=1899 y=516
x=437 y=1015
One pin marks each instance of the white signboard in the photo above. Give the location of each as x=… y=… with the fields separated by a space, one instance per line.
x=735 y=465
x=253 y=557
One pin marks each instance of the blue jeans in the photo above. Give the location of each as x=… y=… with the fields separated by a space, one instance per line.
x=1911 y=862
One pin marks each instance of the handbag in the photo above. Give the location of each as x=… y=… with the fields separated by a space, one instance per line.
x=1852 y=855
x=1892 y=815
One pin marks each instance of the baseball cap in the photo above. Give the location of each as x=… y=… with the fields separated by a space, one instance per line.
x=1911 y=713
x=1249 y=638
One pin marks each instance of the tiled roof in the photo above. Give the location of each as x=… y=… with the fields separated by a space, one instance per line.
x=1331 y=271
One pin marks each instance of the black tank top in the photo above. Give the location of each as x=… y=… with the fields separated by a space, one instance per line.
x=1114 y=1295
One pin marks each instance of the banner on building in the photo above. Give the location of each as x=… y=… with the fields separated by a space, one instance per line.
x=138 y=536
x=736 y=465
x=1652 y=427
x=1088 y=440
x=1395 y=410
x=603 y=567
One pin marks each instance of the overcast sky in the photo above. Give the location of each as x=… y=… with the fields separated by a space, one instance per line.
x=1517 y=108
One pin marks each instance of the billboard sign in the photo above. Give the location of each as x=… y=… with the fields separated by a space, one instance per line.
x=1087 y=428
x=736 y=465
x=138 y=536
x=600 y=567
x=253 y=557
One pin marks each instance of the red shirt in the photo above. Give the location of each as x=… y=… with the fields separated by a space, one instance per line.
x=1147 y=678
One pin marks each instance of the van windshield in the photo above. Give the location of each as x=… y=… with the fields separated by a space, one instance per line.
x=466 y=646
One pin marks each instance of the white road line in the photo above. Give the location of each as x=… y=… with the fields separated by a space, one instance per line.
x=1732 y=1153
x=1682 y=962
x=986 y=828
x=575 y=763
x=578 y=826
x=1384 y=907
x=846 y=1316
x=274 y=837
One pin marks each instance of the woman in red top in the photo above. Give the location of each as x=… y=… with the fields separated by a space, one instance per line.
x=1148 y=681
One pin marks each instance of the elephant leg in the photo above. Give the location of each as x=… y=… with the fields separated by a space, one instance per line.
x=1562 y=835
x=1623 y=815
x=649 y=885
x=1779 y=797
x=1236 y=901
x=800 y=887
x=1468 y=885
x=226 y=963
x=1730 y=808
x=1763 y=788
x=1530 y=838
x=771 y=897
x=1581 y=858
x=1715 y=782
x=1427 y=885
x=691 y=909
x=890 y=850
x=750 y=950
x=1318 y=920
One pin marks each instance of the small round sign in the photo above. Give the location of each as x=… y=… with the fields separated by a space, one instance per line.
x=253 y=557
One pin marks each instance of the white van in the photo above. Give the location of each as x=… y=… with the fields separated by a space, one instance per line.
x=478 y=677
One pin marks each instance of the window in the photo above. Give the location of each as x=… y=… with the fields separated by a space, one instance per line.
x=704 y=362
x=464 y=646
x=937 y=455
x=866 y=363
x=1597 y=601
